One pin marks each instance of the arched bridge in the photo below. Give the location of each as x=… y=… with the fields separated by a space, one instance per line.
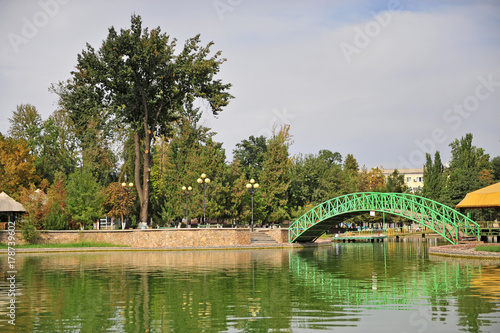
x=445 y=221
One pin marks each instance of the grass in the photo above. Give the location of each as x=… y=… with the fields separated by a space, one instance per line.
x=494 y=248
x=65 y=245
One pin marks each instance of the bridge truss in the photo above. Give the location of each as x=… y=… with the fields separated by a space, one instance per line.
x=447 y=222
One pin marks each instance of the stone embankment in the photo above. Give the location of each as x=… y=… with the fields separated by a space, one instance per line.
x=164 y=239
x=464 y=250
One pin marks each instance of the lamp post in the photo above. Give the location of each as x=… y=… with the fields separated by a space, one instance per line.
x=203 y=182
x=186 y=191
x=252 y=188
x=127 y=188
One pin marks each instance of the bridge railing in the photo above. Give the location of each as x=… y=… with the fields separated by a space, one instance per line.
x=446 y=221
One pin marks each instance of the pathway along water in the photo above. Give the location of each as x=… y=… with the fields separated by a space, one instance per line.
x=356 y=287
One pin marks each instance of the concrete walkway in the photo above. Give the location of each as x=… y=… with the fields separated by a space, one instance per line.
x=464 y=251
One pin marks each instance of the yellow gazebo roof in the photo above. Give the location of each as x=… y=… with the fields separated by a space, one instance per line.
x=487 y=197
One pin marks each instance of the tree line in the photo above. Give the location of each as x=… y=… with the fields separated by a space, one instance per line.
x=128 y=114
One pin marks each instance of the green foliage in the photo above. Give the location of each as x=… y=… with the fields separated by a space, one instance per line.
x=26 y=124
x=58 y=147
x=29 y=231
x=465 y=169
x=315 y=178
x=251 y=154
x=495 y=164
x=137 y=79
x=434 y=178
x=396 y=182
x=190 y=152
x=487 y=248
x=276 y=176
x=85 y=197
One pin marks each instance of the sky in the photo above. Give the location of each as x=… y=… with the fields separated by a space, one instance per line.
x=386 y=81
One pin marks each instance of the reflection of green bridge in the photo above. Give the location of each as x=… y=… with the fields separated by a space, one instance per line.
x=445 y=221
x=438 y=281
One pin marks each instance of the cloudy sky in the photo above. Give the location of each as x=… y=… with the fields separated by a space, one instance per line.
x=386 y=80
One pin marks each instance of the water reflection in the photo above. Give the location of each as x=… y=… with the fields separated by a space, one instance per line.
x=345 y=286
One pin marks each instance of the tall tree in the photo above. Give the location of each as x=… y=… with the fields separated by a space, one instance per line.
x=275 y=178
x=351 y=174
x=434 y=178
x=26 y=123
x=17 y=165
x=250 y=154
x=467 y=162
x=137 y=76
x=58 y=151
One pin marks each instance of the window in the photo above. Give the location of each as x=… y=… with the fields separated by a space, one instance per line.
x=420 y=179
x=408 y=179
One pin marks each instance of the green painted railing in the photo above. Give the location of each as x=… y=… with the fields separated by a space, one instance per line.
x=447 y=222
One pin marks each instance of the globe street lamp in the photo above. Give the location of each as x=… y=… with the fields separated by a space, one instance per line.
x=252 y=188
x=204 y=182
x=186 y=191
x=127 y=188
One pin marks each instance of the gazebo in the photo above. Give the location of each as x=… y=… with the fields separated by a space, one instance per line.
x=487 y=197
x=9 y=205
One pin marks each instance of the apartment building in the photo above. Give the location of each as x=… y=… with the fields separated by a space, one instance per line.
x=414 y=178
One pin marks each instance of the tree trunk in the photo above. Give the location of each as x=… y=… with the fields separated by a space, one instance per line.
x=142 y=189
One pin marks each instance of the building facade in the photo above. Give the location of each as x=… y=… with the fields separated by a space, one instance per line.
x=414 y=178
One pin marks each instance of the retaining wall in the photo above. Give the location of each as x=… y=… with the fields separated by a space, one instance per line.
x=279 y=235
x=149 y=238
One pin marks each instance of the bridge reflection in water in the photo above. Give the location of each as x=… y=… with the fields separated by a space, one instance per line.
x=396 y=277
x=384 y=293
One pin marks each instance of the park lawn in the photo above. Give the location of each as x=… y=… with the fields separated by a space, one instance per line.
x=65 y=245
x=494 y=248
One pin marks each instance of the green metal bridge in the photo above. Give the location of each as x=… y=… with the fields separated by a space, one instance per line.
x=445 y=221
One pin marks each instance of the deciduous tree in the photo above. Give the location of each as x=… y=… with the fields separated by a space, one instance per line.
x=85 y=197
x=17 y=166
x=465 y=169
x=26 y=123
x=396 y=182
x=250 y=154
x=137 y=76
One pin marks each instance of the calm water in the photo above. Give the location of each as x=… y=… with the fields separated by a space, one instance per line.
x=390 y=287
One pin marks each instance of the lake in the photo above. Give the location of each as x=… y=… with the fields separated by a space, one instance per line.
x=353 y=287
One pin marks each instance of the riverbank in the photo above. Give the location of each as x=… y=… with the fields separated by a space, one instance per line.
x=464 y=251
